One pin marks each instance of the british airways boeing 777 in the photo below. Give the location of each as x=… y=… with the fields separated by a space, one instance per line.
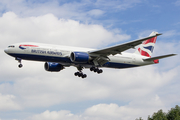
x=58 y=57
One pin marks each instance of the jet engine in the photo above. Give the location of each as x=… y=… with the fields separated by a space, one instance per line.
x=53 y=67
x=79 y=57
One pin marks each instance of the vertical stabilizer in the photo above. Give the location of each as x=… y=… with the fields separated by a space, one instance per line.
x=147 y=47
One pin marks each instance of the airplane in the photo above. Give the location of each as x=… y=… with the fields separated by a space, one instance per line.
x=57 y=57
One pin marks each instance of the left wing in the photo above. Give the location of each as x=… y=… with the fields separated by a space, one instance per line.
x=119 y=48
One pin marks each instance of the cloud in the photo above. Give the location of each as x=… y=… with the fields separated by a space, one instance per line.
x=95 y=12
x=45 y=92
x=116 y=5
x=50 y=29
x=7 y=103
x=38 y=88
x=177 y=3
x=85 y=10
x=127 y=112
x=107 y=111
x=55 y=115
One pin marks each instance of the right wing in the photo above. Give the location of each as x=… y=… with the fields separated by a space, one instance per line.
x=119 y=48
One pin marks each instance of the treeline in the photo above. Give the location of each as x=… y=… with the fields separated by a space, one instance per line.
x=173 y=114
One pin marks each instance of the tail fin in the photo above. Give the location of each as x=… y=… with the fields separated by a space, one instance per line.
x=147 y=47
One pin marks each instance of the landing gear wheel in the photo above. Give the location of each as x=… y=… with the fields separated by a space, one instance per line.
x=76 y=73
x=92 y=68
x=96 y=69
x=20 y=65
x=80 y=74
x=99 y=71
x=84 y=76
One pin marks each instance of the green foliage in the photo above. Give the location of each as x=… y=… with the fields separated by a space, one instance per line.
x=173 y=114
x=160 y=115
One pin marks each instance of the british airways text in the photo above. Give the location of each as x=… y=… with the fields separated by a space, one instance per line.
x=46 y=52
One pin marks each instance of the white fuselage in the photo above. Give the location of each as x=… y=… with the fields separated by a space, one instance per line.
x=61 y=54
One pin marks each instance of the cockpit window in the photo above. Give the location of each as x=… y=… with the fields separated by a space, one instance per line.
x=11 y=46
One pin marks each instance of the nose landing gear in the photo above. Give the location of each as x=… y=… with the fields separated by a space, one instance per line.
x=20 y=64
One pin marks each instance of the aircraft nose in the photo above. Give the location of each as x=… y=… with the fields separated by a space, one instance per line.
x=6 y=50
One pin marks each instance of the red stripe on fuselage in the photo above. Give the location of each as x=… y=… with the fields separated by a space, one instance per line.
x=143 y=53
x=29 y=45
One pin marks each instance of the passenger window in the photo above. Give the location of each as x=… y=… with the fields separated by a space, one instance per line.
x=11 y=46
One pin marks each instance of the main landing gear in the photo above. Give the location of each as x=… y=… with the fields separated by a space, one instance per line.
x=96 y=69
x=80 y=73
x=20 y=64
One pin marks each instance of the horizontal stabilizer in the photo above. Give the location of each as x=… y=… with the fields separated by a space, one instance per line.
x=158 y=57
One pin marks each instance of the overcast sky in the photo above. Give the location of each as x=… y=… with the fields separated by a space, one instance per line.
x=31 y=93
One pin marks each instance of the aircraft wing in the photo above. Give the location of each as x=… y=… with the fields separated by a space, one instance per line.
x=117 y=49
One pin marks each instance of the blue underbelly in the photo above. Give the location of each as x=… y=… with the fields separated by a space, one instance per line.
x=42 y=58
x=119 y=65
x=67 y=60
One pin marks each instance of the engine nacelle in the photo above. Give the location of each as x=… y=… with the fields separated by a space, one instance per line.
x=53 y=67
x=79 y=57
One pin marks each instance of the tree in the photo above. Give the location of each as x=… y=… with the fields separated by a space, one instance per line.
x=174 y=113
x=160 y=115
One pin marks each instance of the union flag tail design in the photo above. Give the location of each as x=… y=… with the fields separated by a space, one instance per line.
x=147 y=47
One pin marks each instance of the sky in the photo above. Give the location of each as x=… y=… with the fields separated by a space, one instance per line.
x=31 y=93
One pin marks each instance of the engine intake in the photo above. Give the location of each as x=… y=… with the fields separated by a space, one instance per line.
x=79 y=57
x=53 y=67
